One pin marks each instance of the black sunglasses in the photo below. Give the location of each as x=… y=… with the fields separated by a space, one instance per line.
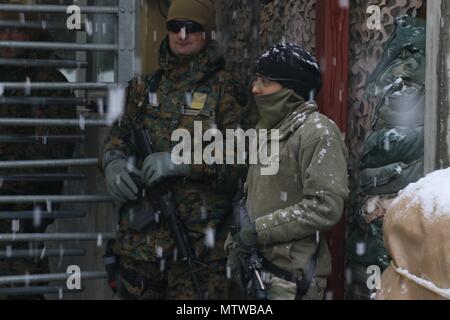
x=188 y=25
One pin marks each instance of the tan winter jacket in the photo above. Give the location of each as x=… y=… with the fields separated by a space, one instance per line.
x=306 y=197
x=417 y=237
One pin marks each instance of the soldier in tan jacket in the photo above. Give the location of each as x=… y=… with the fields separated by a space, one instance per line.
x=289 y=211
x=417 y=237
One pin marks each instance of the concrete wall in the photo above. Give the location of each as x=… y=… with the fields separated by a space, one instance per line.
x=437 y=121
x=444 y=132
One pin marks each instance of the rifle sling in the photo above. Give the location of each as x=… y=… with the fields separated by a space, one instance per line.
x=303 y=283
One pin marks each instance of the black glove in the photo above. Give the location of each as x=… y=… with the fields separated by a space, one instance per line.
x=247 y=239
x=234 y=264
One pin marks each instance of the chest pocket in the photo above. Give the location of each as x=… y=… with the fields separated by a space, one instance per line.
x=167 y=111
x=202 y=108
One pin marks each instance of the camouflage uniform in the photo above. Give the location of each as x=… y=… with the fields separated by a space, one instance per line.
x=38 y=150
x=203 y=199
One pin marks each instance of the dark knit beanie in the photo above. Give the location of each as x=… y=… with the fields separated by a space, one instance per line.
x=291 y=66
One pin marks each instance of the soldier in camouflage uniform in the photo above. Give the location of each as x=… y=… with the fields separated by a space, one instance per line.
x=286 y=213
x=38 y=150
x=194 y=87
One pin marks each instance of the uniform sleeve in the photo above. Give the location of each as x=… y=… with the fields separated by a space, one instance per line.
x=325 y=187
x=224 y=176
x=118 y=144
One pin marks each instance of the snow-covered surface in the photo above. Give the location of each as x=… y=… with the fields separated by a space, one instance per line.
x=372 y=204
x=396 y=83
x=391 y=136
x=424 y=283
x=431 y=192
x=280 y=51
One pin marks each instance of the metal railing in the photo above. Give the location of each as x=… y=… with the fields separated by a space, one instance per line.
x=63 y=9
x=17 y=138
x=26 y=279
x=124 y=50
x=28 y=215
x=59 y=199
x=26 y=237
x=47 y=163
x=81 y=123
x=31 y=291
x=42 y=177
x=43 y=63
x=42 y=253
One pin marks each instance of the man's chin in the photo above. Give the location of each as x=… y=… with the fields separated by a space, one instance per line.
x=184 y=51
x=185 y=54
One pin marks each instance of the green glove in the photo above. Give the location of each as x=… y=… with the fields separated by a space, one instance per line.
x=119 y=182
x=247 y=239
x=158 y=166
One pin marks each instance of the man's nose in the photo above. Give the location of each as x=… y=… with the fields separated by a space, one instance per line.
x=256 y=90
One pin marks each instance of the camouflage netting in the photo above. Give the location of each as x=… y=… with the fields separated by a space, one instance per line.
x=366 y=49
x=246 y=28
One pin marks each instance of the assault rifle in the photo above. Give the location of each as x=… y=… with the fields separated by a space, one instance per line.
x=161 y=199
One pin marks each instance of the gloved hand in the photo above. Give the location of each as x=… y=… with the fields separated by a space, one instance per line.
x=119 y=182
x=247 y=239
x=158 y=166
x=234 y=264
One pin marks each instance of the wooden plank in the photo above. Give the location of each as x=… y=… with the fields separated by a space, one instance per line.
x=332 y=50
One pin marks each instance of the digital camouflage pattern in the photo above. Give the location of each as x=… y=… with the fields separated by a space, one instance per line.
x=156 y=282
x=39 y=150
x=204 y=198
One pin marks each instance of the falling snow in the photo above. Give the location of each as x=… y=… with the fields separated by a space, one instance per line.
x=116 y=104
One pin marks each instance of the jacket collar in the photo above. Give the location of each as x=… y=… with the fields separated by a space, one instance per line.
x=185 y=73
x=296 y=119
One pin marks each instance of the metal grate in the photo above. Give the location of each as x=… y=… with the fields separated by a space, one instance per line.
x=124 y=51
